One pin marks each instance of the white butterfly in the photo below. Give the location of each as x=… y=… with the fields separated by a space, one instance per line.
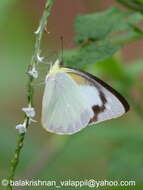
x=74 y=99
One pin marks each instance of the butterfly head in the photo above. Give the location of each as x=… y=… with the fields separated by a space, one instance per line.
x=55 y=67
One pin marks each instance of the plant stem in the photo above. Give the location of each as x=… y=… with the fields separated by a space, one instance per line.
x=131 y=5
x=127 y=38
x=41 y=28
x=15 y=159
x=30 y=90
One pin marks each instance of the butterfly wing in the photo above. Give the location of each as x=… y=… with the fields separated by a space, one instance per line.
x=65 y=108
x=106 y=102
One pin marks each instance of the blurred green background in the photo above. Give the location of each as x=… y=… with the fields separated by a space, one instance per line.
x=112 y=150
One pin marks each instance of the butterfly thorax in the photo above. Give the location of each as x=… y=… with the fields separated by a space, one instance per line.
x=55 y=68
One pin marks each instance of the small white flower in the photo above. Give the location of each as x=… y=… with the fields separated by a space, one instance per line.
x=21 y=128
x=38 y=30
x=40 y=59
x=30 y=112
x=33 y=73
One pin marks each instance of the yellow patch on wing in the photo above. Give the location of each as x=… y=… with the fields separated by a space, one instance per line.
x=76 y=77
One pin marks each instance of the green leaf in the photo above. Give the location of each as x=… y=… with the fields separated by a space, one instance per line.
x=127 y=37
x=98 y=26
x=91 y=54
x=100 y=35
x=127 y=22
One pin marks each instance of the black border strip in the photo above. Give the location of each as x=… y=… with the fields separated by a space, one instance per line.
x=105 y=85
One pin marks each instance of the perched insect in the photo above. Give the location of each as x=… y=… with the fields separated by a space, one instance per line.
x=74 y=99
